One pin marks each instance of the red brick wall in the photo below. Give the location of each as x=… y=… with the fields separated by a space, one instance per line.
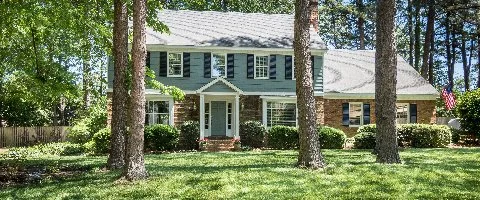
x=333 y=112
x=188 y=109
x=250 y=108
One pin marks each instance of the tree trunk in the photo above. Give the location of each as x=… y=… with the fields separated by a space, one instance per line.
x=478 y=58
x=448 y=45
x=385 y=83
x=428 y=38
x=361 y=24
x=116 y=159
x=431 y=62
x=87 y=82
x=466 y=69
x=417 y=34
x=454 y=53
x=410 y=32
x=135 y=168
x=334 y=26
x=309 y=154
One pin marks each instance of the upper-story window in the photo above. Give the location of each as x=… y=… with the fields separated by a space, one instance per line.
x=261 y=67
x=175 y=64
x=219 y=67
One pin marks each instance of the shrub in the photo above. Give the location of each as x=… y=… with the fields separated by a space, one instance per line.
x=420 y=135
x=189 y=135
x=93 y=120
x=468 y=108
x=331 y=138
x=456 y=134
x=282 y=137
x=79 y=133
x=252 y=134
x=58 y=149
x=101 y=141
x=365 y=140
x=429 y=136
x=369 y=128
x=161 y=137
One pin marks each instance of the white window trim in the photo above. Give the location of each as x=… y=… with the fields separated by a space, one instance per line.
x=255 y=66
x=279 y=100
x=361 y=114
x=168 y=64
x=408 y=111
x=293 y=67
x=171 y=117
x=211 y=65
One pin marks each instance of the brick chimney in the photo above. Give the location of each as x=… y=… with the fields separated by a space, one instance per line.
x=313 y=7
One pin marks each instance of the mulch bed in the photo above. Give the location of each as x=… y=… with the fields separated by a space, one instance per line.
x=14 y=175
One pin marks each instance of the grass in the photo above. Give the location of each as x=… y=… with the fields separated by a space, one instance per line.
x=351 y=174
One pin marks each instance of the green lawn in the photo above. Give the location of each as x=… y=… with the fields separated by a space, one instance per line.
x=351 y=174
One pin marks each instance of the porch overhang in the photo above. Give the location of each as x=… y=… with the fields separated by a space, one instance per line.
x=220 y=80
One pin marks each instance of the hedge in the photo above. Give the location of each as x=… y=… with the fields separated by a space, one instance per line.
x=365 y=140
x=100 y=142
x=412 y=135
x=189 y=135
x=331 y=138
x=282 y=137
x=252 y=134
x=160 y=137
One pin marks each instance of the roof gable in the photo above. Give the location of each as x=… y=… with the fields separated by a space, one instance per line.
x=219 y=85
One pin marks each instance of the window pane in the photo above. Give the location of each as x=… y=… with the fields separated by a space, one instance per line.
x=281 y=114
x=402 y=113
x=157 y=112
x=218 y=65
x=175 y=64
x=355 y=114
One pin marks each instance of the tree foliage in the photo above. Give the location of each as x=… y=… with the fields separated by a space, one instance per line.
x=468 y=108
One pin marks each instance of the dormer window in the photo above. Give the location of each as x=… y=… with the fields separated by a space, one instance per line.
x=219 y=66
x=261 y=67
x=175 y=64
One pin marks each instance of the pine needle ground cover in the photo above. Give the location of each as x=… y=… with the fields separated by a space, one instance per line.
x=351 y=174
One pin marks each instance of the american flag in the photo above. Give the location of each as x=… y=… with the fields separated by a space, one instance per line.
x=448 y=97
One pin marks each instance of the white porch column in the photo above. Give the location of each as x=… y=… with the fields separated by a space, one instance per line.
x=237 y=116
x=202 y=116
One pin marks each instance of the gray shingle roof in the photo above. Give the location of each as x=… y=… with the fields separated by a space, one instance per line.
x=353 y=71
x=227 y=29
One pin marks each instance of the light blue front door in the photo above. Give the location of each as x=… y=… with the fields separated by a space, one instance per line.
x=218 y=118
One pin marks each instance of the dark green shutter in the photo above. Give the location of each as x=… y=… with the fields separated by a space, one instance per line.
x=230 y=66
x=272 y=68
x=250 y=66
x=345 y=114
x=288 y=68
x=147 y=60
x=163 y=64
x=413 y=113
x=186 y=64
x=207 y=65
x=366 y=113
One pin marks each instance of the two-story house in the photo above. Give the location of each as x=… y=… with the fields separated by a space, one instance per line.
x=235 y=67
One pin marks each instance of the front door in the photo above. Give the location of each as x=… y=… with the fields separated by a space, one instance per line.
x=218 y=109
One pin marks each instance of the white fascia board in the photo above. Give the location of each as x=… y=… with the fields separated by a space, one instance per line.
x=317 y=94
x=372 y=96
x=158 y=47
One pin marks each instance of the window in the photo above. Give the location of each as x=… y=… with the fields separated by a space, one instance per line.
x=279 y=113
x=207 y=115
x=355 y=114
x=261 y=67
x=175 y=64
x=229 y=116
x=156 y=112
x=219 y=68
x=402 y=113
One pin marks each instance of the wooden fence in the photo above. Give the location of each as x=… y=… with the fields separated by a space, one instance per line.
x=25 y=136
